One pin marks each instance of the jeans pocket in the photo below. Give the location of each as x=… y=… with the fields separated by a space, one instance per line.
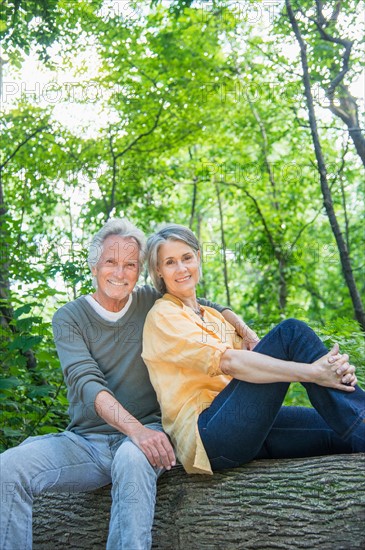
x=223 y=463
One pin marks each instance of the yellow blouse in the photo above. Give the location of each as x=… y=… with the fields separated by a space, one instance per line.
x=183 y=353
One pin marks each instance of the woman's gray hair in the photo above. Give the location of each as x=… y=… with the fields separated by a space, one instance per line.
x=170 y=232
x=121 y=228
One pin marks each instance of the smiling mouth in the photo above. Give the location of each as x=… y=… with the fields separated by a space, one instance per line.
x=183 y=279
x=117 y=284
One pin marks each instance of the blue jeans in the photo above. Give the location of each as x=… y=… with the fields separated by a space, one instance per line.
x=67 y=462
x=247 y=421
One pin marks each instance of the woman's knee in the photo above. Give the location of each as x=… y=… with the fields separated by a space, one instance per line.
x=292 y=330
x=292 y=323
x=300 y=341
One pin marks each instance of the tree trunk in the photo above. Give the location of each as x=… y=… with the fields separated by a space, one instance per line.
x=321 y=166
x=6 y=308
x=348 y=112
x=223 y=241
x=266 y=504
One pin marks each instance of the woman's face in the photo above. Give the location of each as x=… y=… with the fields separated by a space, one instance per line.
x=178 y=264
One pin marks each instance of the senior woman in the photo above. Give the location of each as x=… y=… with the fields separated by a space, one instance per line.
x=222 y=405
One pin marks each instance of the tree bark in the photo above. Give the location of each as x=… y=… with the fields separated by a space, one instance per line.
x=348 y=112
x=267 y=504
x=347 y=109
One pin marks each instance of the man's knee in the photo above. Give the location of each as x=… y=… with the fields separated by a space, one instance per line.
x=24 y=468
x=133 y=477
x=130 y=456
x=131 y=463
x=14 y=478
x=13 y=464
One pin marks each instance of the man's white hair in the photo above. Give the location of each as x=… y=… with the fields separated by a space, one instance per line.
x=120 y=227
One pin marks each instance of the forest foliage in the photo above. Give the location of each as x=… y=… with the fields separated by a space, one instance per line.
x=238 y=119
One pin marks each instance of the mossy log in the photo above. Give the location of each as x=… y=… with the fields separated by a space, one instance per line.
x=267 y=504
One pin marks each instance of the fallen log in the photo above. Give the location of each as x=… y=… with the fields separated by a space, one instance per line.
x=267 y=504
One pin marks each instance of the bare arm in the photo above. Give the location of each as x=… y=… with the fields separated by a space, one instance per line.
x=261 y=369
x=154 y=444
x=250 y=338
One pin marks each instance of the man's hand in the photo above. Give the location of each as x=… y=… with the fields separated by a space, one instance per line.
x=249 y=337
x=155 y=445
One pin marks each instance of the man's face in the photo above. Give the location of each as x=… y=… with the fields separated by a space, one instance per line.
x=116 y=272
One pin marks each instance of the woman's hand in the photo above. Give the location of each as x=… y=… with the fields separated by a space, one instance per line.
x=349 y=377
x=334 y=371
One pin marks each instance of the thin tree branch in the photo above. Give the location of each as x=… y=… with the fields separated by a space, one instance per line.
x=259 y=211
x=114 y=177
x=28 y=138
x=133 y=65
x=348 y=108
x=304 y=227
x=265 y=151
x=144 y=134
x=343 y=196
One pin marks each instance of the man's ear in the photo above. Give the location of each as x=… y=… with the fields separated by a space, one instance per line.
x=93 y=271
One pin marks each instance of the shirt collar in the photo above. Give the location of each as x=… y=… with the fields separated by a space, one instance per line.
x=175 y=299
x=171 y=298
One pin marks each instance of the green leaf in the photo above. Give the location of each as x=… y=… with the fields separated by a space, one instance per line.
x=47 y=430
x=39 y=391
x=8 y=383
x=23 y=309
x=24 y=343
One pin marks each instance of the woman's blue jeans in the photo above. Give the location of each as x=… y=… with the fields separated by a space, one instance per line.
x=247 y=421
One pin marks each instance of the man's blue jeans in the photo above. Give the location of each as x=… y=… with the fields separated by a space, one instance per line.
x=247 y=421
x=67 y=462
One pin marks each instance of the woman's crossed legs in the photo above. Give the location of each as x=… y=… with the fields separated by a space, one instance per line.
x=247 y=421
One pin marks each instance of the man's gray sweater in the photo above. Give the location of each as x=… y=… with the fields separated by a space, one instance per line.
x=97 y=355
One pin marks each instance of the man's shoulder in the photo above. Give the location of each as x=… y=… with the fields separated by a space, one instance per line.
x=71 y=309
x=145 y=293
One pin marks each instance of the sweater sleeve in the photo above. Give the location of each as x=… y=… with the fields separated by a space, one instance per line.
x=80 y=370
x=208 y=303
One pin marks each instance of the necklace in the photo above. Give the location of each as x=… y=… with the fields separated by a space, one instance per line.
x=198 y=311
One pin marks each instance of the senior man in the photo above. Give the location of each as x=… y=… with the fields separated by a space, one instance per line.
x=115 y=434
